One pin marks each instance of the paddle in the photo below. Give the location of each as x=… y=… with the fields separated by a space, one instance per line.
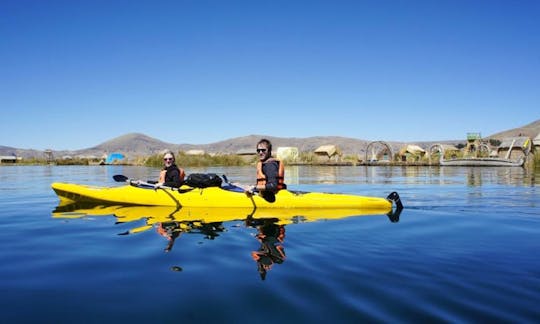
x=247 y=189
x=123 y=178
x=249 y=192
x=136 y=230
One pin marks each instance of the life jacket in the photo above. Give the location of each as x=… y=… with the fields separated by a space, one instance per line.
x=261 y=178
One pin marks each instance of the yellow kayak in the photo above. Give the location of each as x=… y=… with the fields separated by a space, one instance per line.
x=214 y=197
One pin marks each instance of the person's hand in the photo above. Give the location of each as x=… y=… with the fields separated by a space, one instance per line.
x=250 y=190
x=158 y=185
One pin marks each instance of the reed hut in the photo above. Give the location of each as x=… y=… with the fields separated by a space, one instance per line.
x=195 y=152
x=411 y=153
x=514 y=148
x=536 y=142
x=247 y=155
x=328 y=153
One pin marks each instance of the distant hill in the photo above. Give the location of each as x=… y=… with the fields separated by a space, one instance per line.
x=137 y=145
x=233 y=145
x=132 y=144
x=25 y=153
x=530 y=130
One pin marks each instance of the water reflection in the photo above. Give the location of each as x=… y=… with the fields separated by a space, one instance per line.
x=271 y=236
x=173 y=229
x=435 y=175
x=172 y=223
x=394 y=175
x=478 y=176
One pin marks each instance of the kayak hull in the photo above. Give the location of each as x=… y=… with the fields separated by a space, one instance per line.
x=212 y=197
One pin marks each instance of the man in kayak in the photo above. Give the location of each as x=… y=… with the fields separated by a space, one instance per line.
x=171 y=175
x=270 y=172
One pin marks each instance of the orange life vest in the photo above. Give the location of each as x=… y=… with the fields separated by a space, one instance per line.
x=261 y=178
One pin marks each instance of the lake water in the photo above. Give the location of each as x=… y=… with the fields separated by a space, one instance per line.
x=465 y=249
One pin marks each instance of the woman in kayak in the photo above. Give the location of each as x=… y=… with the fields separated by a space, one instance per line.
x=270 y=172
x=171 y=175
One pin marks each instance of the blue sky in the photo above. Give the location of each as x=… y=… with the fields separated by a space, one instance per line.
x=77 y=73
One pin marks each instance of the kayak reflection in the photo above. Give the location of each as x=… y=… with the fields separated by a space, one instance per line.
x=157 y=214
x=173 y=222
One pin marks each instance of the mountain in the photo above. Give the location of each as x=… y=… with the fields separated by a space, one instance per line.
x=132 y=144
x=24 y=153
x=137 y=145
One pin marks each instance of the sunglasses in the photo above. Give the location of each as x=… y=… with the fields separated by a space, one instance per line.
x=167 y=159
x=261 y=150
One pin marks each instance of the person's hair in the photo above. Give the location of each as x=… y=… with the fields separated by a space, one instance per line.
x=265 y=142
x=171 y=153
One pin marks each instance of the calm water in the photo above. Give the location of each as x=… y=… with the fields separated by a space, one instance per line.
x=465 y=249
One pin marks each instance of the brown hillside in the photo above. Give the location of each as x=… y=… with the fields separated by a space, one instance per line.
x=132 y=144
x=347 y=145
x=136 y=145
x=530 y=130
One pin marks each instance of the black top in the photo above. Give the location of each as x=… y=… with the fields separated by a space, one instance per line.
x=172 y=177
x=271 y=170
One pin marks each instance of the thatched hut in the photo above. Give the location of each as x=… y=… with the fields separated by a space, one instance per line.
x=328 y=152
x=247 y=155
x=411 y=153
x=536 y=142
x=195 y=152
x=514 y=147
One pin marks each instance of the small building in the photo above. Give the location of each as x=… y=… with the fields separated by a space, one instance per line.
x=247 y=152
x=8 y=159
x=195 y=152
x=331 y=152
x=247 y=155
x=536 y=142
x=411 y=153
x=514 y=147
x=289 y=154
